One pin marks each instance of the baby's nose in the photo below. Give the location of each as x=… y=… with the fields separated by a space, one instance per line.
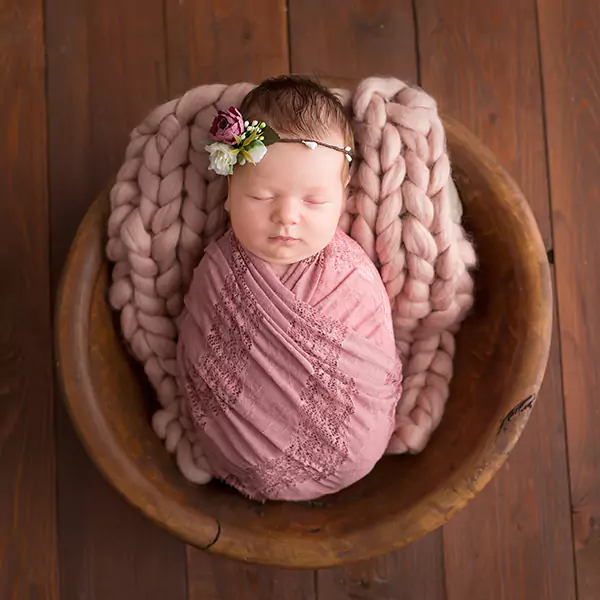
x=287 y=211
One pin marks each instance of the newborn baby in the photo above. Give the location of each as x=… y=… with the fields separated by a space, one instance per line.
x=286 y=349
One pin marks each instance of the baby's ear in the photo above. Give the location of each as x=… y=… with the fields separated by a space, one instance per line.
x=351 y=170
x=345 y=196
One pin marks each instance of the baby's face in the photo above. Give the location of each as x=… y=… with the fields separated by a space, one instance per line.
x=286 y=208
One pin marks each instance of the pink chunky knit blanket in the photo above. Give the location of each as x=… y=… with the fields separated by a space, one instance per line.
x=167 y=207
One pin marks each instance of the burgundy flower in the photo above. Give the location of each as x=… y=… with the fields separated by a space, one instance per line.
x=227 y=124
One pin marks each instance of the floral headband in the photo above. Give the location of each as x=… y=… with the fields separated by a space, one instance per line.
x=238 y=142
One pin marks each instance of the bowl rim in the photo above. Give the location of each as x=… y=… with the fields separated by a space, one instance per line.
x=85 y=259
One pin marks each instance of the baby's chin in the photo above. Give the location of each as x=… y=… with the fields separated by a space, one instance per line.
x=285 y=255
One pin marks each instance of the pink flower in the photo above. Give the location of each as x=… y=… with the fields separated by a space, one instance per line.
x=227 y=124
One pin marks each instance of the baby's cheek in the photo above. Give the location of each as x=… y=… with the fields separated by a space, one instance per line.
x=326 y=226
x=239 y=224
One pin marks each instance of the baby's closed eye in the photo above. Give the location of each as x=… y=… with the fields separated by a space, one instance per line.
x=315 y=200
x=260 y=197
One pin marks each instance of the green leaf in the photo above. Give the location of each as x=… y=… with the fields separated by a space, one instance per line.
x=270 y=135
x=250 y=137
x=246 y=156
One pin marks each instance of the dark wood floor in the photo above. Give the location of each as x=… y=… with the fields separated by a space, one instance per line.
x=77 y=75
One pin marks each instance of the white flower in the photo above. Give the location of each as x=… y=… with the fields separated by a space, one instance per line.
x=256 y=151
x=222 y=158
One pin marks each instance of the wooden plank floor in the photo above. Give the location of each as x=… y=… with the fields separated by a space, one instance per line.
x=77 y=75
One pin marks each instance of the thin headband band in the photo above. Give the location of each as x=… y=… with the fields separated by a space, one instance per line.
x=312 y=144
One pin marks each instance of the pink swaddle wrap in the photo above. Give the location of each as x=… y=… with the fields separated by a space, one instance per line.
x=292 y=383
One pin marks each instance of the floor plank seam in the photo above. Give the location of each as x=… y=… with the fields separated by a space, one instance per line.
x=551 y=260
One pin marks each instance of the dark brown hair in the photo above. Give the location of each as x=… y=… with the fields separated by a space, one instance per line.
x=299 y=107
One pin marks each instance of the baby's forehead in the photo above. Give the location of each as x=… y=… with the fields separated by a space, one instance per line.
x=285 y=177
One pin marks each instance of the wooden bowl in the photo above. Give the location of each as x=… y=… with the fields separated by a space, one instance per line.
x=502 y=350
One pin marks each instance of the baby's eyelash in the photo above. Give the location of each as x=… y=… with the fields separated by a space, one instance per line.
x=308 y=200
